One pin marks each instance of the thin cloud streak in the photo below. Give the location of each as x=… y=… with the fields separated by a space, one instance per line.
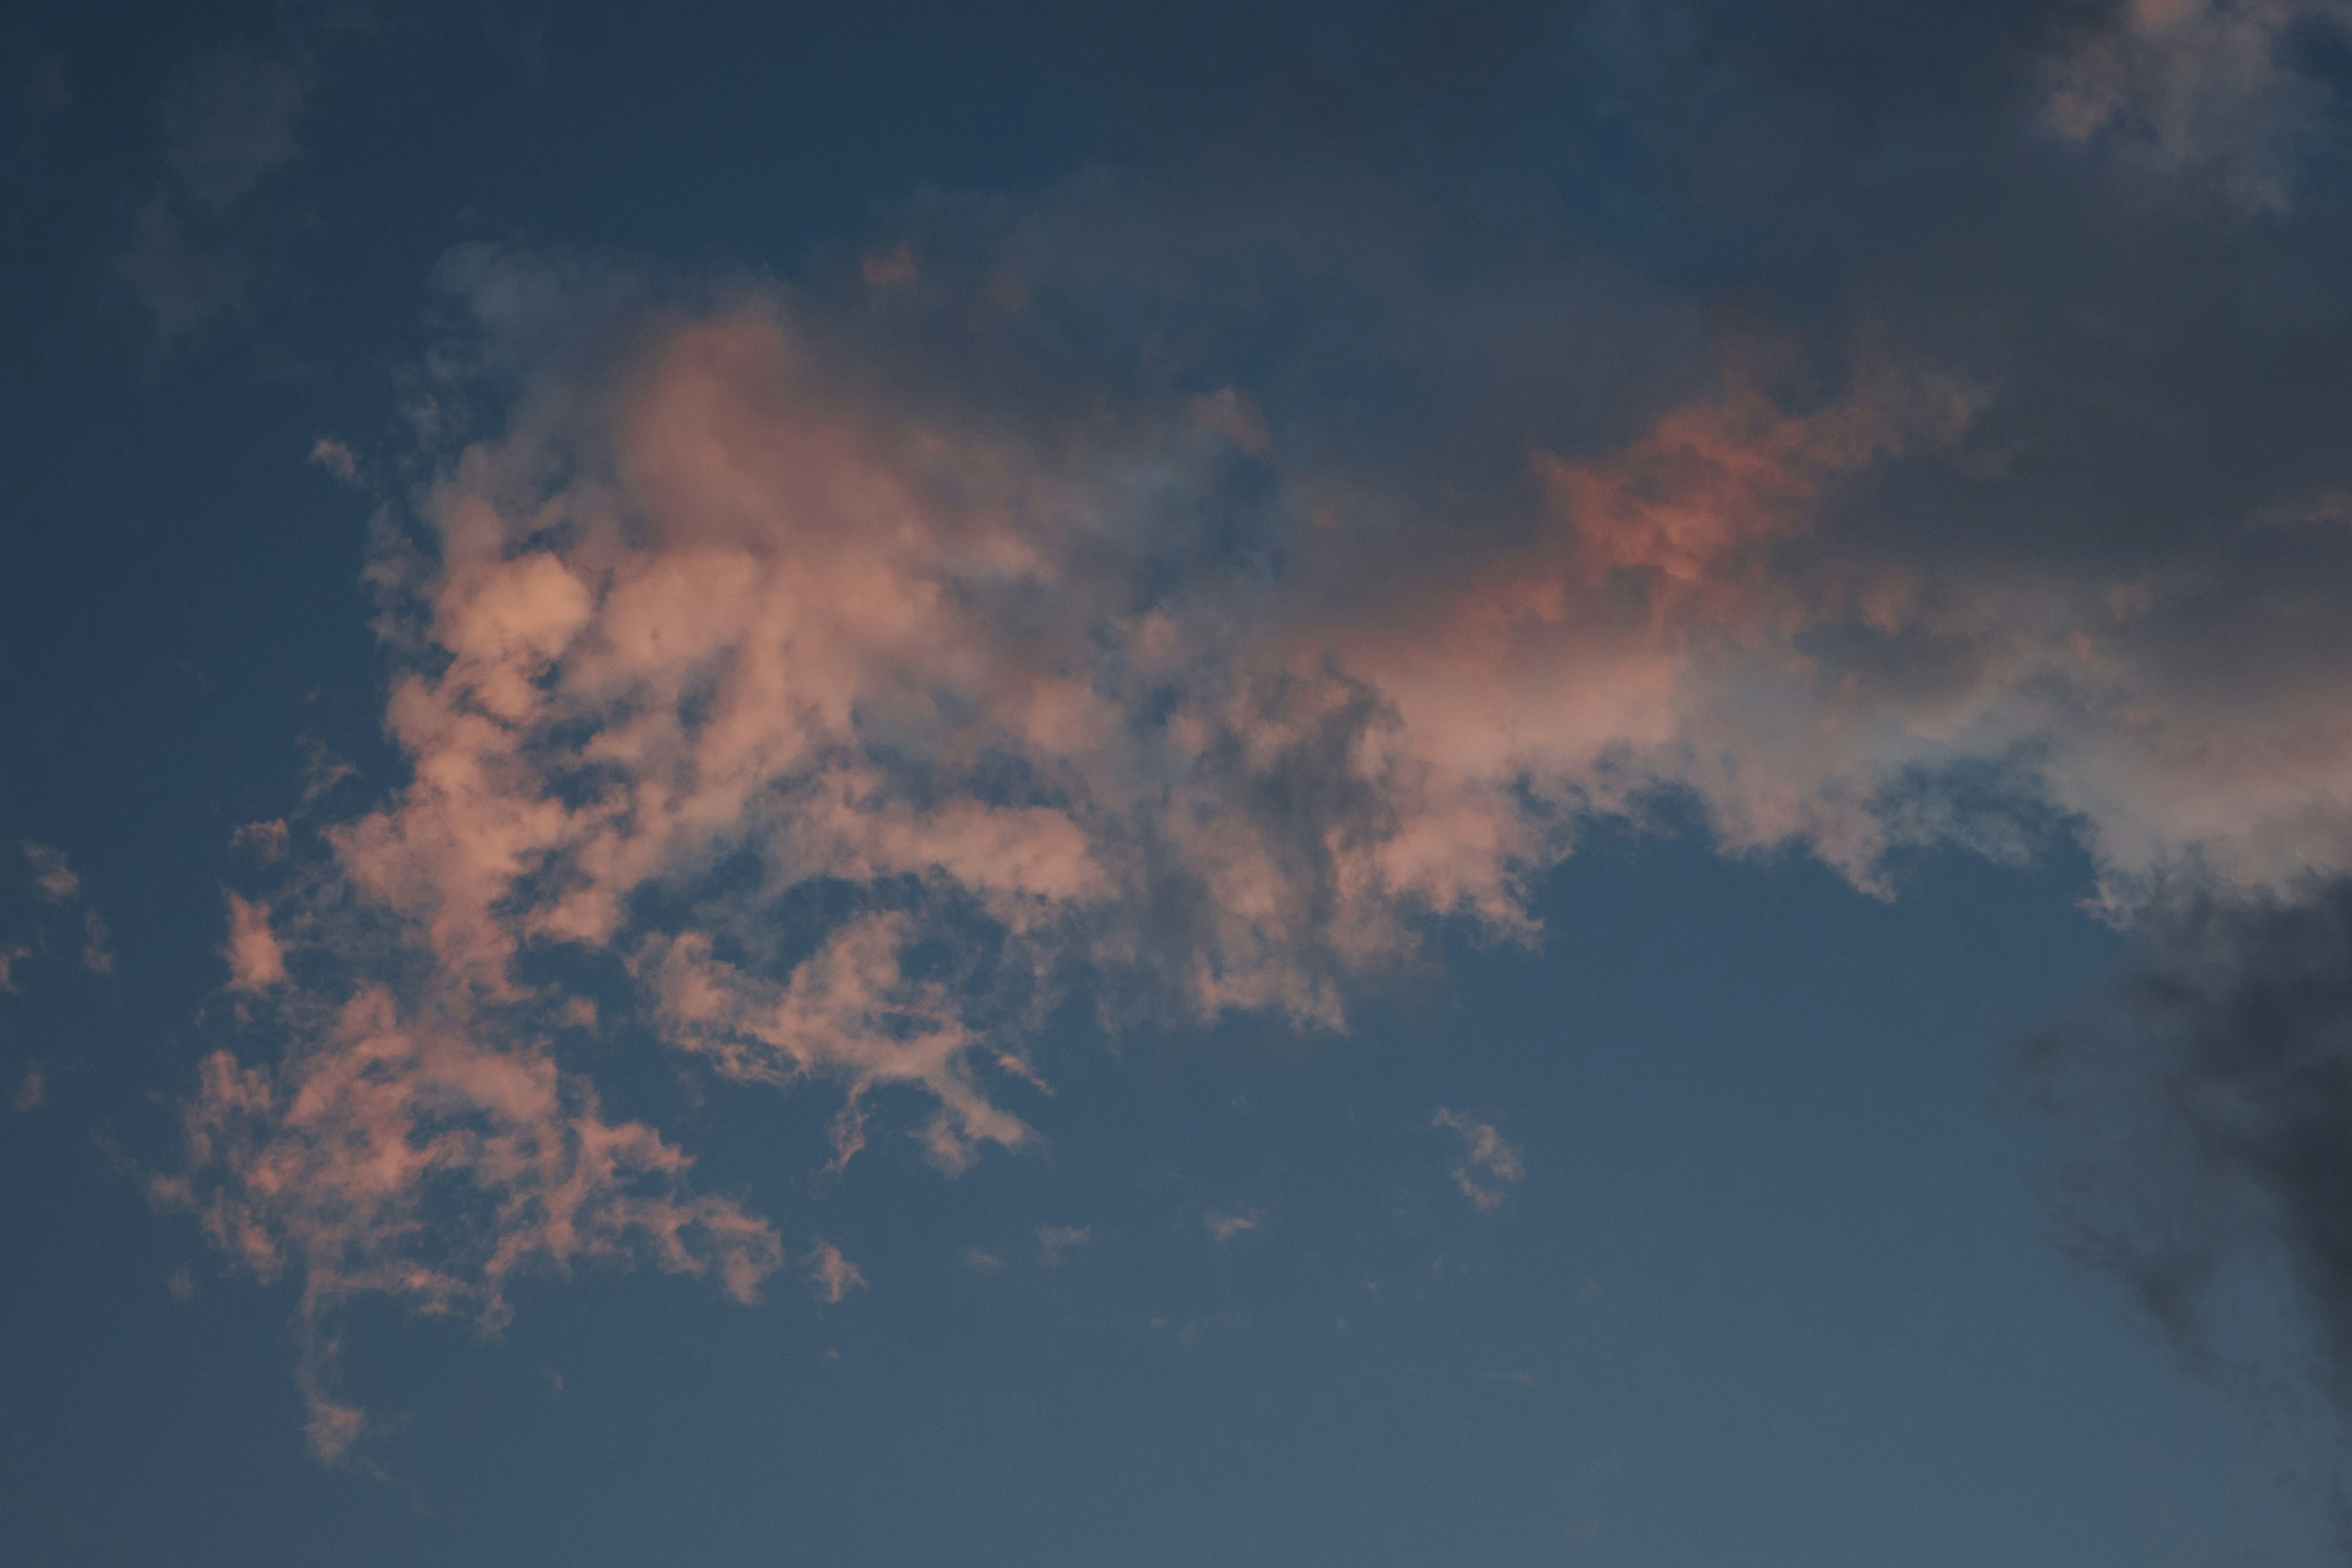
x=1490 y=1166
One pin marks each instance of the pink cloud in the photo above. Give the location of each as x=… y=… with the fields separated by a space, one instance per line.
x=255 y=962
x=833 y=1274
x=52 y=878
x=329 y=1162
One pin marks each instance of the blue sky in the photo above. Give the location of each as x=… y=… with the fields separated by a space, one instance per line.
x=1555 y=785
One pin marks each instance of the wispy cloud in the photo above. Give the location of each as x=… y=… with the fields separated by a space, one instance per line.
x=329 y=1162
x=53 y=878
x=1056 y=1242
x=255 y=960
x=56 y=882
x=833 y=1274
x=230 y=119
x=2208 y=87
x=337 y=458
x=1490 y=1166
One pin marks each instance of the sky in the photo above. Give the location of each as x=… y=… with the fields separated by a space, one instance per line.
x=1068 y=785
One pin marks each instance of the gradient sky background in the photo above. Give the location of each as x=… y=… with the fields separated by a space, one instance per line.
x=1102 y=784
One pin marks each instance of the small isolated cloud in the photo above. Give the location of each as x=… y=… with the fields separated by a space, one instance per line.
x=1192 y=1331
x=255 y=962
x=2201 y=84
x=96 y=949
x=1055 y=1242
x=1490 y=1166
x=33 y=1092
x=337 y=458
x=980 y=1261
x=57 y=882
x=1227 y=412
x=181 y=1284
x=1222 y=1226
x=231 y=117
x=322 y=769
x=833 y=1274
x=883 y=270
x=11 y=956
x=52 y=878
x=265 y=841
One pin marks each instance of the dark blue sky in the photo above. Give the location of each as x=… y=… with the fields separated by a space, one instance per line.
x=1055 y=784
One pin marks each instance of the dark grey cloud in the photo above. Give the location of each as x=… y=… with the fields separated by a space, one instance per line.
x=2211 y=1093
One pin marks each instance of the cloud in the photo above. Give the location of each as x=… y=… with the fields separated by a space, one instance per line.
x=1222 y=1226
x=884 y=271
x=1490 y=1166
x=322 y=769
x=55 y=881
x=53 y=878
x=255 y=962
x=2209 y=1096
x=2208 y=86
x=96 y=944
x=32 y=1092
x=337 y=458
x=1183 y=594
x=231 y=120
x=861 y=725
x=1056 y=1242
x=265 y=841
x=833 y=1274
x=397 y=1153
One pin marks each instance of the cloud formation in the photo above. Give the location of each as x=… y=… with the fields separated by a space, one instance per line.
x=1181 y=595
x=55 y=883
x=1490 y=1164
x=2207 y=85
x=833 y=1274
